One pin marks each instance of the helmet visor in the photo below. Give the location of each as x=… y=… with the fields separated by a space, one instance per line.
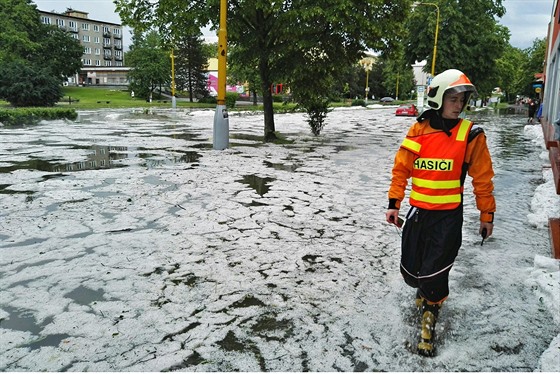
x=462 y=88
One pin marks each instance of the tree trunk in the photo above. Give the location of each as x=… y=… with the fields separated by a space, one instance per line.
x=269 y=129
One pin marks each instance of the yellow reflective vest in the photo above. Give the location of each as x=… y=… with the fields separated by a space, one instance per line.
x=436 y=174
x=434 y=163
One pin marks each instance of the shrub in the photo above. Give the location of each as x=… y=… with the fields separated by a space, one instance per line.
x=358 y=102
x=207 y=100
x=28 y=116
x=316 y=109
x=231 y=98
x=24 y=85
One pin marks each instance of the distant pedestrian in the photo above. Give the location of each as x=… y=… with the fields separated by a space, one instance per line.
x=532 y=109
x=539 y=112
x=437 y=153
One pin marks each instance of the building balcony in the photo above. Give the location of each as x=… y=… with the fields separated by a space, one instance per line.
x=117 y=36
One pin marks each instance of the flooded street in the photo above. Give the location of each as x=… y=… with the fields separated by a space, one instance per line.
x=129 y=244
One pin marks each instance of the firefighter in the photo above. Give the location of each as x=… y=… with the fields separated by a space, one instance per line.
x=439 y=150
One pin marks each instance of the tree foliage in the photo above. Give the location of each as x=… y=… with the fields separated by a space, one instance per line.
x=511 y=72
x=25 y=84
x=535 y=64
x=284 y=41
x=34 y=58
x=470 y=38
x=150 y=63
x=191 y=63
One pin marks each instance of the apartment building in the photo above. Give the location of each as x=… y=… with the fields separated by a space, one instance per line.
x=103 y=57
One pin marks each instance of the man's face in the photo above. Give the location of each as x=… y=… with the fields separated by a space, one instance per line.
x=452 y=105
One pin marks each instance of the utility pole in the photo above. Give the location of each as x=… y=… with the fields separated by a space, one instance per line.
x=221 y=118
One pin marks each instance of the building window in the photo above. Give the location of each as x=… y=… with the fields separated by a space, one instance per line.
x=118 y=63
x=96 y=40
x=72 y=26
x=87 y=50
x=106 y=42
x=86 y=61
x=96 y=28
x=85 y=26
x=98 y=51
x=75 y=36
x=46 y=20
x=97 y=62
x=107 y=63
x=60 y=22
x=85 y=38
x=116 y=31
x=106 y=29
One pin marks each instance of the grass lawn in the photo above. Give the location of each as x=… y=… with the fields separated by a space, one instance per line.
x=97 y=97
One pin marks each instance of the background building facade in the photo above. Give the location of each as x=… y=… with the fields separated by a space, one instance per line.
x=103 y=56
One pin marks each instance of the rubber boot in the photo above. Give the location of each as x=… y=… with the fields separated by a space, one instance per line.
x=430 y=313
x=419 y=300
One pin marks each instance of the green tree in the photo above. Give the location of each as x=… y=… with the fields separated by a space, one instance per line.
x=534 y=64
x=34 y=58
x=23 y=84
x=470 y=39
x=191 y=63
x=19 y=25
x=150 y=63
x=238 y=72
x=58 y=52
x=283 y=40
x=511 y=74
x=398 y=77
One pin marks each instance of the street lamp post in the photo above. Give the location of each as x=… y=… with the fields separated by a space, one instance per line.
x=367 y=64
x=173 y=99
x=221 y=118
x=435 y=37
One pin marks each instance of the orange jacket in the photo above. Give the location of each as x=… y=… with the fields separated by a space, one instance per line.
x=479 y=168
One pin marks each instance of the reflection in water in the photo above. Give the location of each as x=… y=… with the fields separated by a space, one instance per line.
x=153 y=161
x=284 y=167
x=259 y=184
x=102 y=157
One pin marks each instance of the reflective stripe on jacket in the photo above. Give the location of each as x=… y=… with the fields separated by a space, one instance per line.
x=437 y=168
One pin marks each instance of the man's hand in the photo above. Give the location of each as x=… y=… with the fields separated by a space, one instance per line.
x=392 y=216
x=489 y=228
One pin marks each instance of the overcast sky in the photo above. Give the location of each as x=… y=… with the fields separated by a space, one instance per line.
x=526 y=20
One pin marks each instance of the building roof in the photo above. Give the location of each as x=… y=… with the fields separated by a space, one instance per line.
x=72 y=11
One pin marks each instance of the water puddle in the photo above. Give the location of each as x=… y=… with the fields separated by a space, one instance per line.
x=153 y=160
x=22 y=320
x=47 y=341
x=282 y=166
x=259 y=184
x=85 y=296
x=101 y=157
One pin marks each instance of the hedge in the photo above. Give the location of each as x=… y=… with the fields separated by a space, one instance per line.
x=28 y=116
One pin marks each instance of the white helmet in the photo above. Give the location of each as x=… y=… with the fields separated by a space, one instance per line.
x=450 y=81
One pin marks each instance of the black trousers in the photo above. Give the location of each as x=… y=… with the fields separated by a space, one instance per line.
x=430 y=243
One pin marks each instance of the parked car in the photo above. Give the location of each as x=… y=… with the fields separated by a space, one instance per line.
x=408 y=110
x=387 y=99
